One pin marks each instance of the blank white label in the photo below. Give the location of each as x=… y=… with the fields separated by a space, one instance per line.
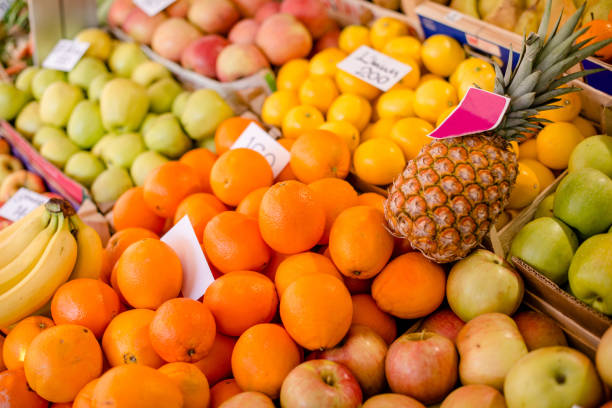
x=5 y=5
x=65 y=55
x=255 y=138
x=21 y=204
x=152 y=7
x=375 y=68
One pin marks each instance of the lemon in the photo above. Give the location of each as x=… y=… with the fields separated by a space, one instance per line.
x=528 y=149
x=410 y=134
x=324 y=62
x=441 y=54
x=348 y=83
x=378 y=161
x=467 y=68
x=384 y=29
x=412 y=78
x=352 y=108
x=301 y=119
x=395 y=104
x=276 y=106
x=291 y=75
x=428 y=77
x=318 y=91
x=432 y=98
x=345 y=130
x=402 y=47
x=543 y=173
x=444 y=115
x=555 y=144
x=570 y=106
x=526 y=188
x=586 y=127
x=380 y=128
x=352 y=37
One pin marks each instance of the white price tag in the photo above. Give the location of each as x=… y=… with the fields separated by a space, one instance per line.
x=65 y=55
x=255 y=138
x=197 y=276
x=21 y=204
x=5 y=5
x=152 y=7
x=453 y=16
x=375 y=68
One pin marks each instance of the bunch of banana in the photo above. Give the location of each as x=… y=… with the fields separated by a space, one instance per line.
x=39 y=253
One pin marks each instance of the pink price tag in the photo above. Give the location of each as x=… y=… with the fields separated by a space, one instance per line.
x=478 y=111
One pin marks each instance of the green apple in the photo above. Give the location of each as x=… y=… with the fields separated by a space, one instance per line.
x=97 y=85
x=110 y=184
x=548 y=245
x=100 y=43
x=58 y=150
x=24 y=80
x=594 y=152
x=178 y=106
x=123 y=105
x=84 y=167
x=208 y=143
x=166 y=136
x=85 y=71
x=483 y=283
x=203 y=112
x=597 y=10
x=11 y=100
x=85 y=124
x=98 y=148
x=58 y=102
x=590 y=274
x=122 y=150
x=148 y=72
x=46 y=133
x=148 y=122
x=28 y=121
x=125 y=57
x=603 y=357
x=545 y=208
x=584 y=201
x=553 y=377
x=143 y=164
x=43 y=78
x=162 y=93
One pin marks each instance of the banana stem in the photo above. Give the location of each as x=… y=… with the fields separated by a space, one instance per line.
x=57 y=205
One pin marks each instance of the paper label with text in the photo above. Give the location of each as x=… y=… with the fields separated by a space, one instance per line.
x=255 y=138
x=375 y=68
x=5 y=5
x=65 y=55
x=153 y=7
x=483 y=45
x=21 y=204
x=453 y=16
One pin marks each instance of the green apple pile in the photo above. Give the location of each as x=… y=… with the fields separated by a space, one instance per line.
x=113 y=118
x=570 y=239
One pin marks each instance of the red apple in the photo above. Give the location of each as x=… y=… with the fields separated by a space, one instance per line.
x=140 y=26
x=118 y=12
x=172 y=37
x=201 y=55
x=179 y=8
x=5 y=147
x=312 y=13
x=392 y=401
x=283 y=38
x=363 y=352
x=244 y=32
x=444 y=322
x=320 y=383
x=266 y=10
x=249 y=7
x=238 y=61
x=422 y=365
x=475 y=395
x=52 y=195
x=18 y=179
x=8 y=165
x=213 y=16
x=539 y=330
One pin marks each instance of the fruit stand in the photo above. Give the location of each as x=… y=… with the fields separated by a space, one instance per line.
x=305 y=203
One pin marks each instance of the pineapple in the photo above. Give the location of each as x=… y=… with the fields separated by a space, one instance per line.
x=448 y=197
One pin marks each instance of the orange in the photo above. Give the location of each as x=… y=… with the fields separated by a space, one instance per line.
x=118 y=243
x=316 y=310
x=18 y=340
x=286 y=173
x=275 y=260
x=296 y=266
x=200 y=208
x=87 y=302
x=441 y=54
x=291 y=219
x=525 y=189
x=336 y=195
x=15 y=391
x=240 y=300
x=192 y=383
x=374 y=200
x=276 y=106
x=352 y=37
x=348 y=83
x=182 y=330
x=318 y=154
x=385 y=29
x=410 y=134
x=251 y=399
x=380 y=128
x=222 y=391
x=126 y=339
x=544 y=175
x=410 y=286
x=167 y=185
x=85 y=395
x=395 y=104
x=357 y=286
x=250 y=204
x=403 y=47
x=300 y=119
x=62 y=405
x=2 y=366
x=233 y=242
x=264 y=348
x=556 y=142
x=347 y=131
x=237 y=172
x=217 y=365
x=318 y=91
x=201 y=160
x=324 y=62
x=432 y=98
x=148 y=273
x=136 y=386
x=229 y=131
x=131 y=211
x=359 y=244
x=350 y=108
x=570 y=106
x=292 y=74
x=366 y=313
x=61 y=360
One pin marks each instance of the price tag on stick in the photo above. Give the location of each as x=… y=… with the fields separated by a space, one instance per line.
x=65 y=55
x=21 y=204
x=255 y=138
x=5 y=5
x=153 y=7
x=375 y=68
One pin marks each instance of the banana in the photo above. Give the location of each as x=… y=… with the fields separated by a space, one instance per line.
x=52 y=270
x=22 y=233
x=89 y=254
x=19 y=267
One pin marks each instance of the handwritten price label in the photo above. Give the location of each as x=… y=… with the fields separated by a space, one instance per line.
x=375 y=68
x=152 y=7
x=65 y=55
x=21 y=204
x=5 y=5
x=255 y=138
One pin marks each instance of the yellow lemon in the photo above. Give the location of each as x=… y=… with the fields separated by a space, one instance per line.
x=276 y=106
x=543 y=173
x=432 y=98
x=348 y=83
x=380 y=128
x=586 y=127
x=428 y=77
x=570 y=106
x=324 y=62
x=527 y=188
x=291 y=75
x=468 y=68
x=301 y=119
x=555 y=144
x=345 y=130
x=444 y=115
x=528 y=149
x=410 y=134
x=412 y=78
x=384 y=29
x=378 y=161
x=352 y=37
x=318 y=91
x=441 y=54
x=352 y=108
x=403 y=46
x=395 y=104
x=479 y=73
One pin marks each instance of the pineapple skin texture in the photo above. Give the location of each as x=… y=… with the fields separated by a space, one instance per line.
x=448 y=197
